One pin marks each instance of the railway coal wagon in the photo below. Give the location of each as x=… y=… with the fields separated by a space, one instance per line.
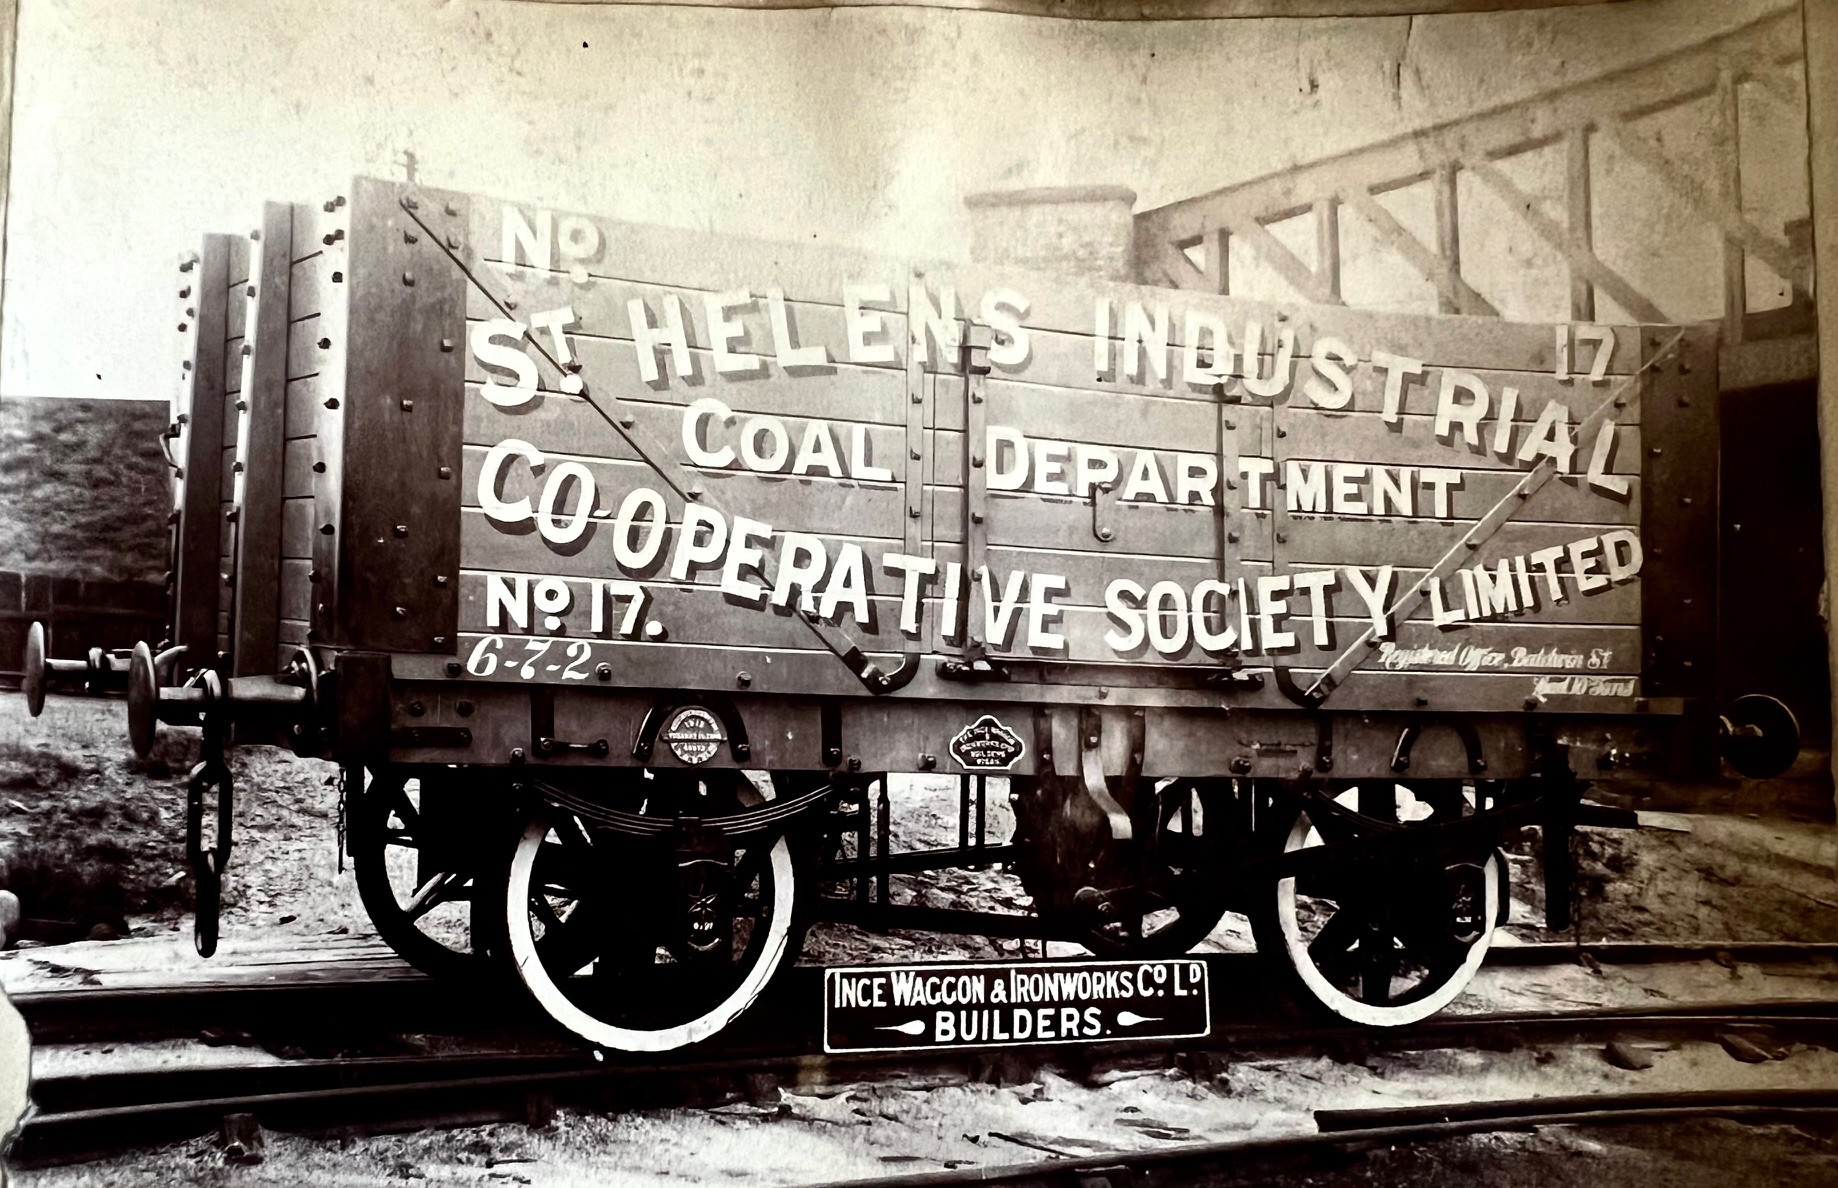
x=618 y=568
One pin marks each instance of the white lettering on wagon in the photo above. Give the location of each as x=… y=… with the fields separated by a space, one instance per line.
x=1088 y=602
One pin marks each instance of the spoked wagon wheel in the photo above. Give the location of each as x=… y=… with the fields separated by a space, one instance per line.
x=1183 y=892
x=642 y=944
x=1385 y=942
x=1157 y=895
x=417 y=891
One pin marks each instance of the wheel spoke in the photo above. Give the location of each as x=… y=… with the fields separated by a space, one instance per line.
x=1378 y=962
x=571 y=945
x=1336 y=939
x=434 y=892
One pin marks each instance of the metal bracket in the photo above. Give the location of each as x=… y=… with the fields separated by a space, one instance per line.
x=1470 y=741
x=972 y=670
x=1104 y=511
x=975 y=360
x=1091 y=773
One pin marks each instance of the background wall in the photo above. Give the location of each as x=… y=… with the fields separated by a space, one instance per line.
x=141 y=124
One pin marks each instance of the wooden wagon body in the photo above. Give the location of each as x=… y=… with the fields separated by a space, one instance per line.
x=1112 y=510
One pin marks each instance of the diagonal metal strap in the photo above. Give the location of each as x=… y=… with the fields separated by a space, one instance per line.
x=679 y=478
x=1508 y=506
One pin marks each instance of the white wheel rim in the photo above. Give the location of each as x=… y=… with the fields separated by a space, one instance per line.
x=549 y=995
x=1339 y=1001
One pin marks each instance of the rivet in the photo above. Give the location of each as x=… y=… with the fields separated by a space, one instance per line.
x=186 y=365
x=416 y=709
x=453 y=208
x=331 y=402
x=312 y=575
x=604 y=672
x=327 y=239
x=325 y=530
x=976 y=517
x=233 y=514
x=510 y=303
x=401 y=612
x=1685 y=500
x=463 y=708
x=1472 y=543
x=185 y=265
x=1231 y=424
x=242 y=405
x=918 y=399
x=401 y=530
x=976 y=460
x=329 y=206
x=627 y=420
x=319 y=467
x=446 y=344
x=453 y=668
x=409 y=203
x=319 y=609
x=325 y=344
x=229 y=580
x=1282 y=433
x=182 y=327
x=1231 y=538
x=247 y=350
x=694 y=492
x=453 y=241
x=338 y=278
x=928 y=762
x=1422 y=701
x=743 y=679
x=1684 y=402
x=236 y=467
x=1531 y=703
x=1231 y=484
x=440 y=579
x=446 y=472
x=249 y=292
x=915 y=455
x=913 y=512
x=408 y=278
x=1655 y=451
x=184 y=293
x=410 y=237
x=408 y=406
x=1282 y=538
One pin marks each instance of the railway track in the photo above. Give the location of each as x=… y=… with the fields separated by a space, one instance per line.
x=87 y=1115
x=1226 y=1164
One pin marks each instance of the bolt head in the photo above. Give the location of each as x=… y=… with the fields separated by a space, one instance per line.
x=400 y=612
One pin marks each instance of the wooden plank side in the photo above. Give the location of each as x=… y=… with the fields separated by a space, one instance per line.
x=592 y=246
x=1082 y=413
x=397 y=534
x=262 y=447
x=202 y=451
x=705 y=615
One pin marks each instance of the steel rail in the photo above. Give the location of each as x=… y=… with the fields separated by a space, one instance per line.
x=407 y=1000
x=1256 y=1161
